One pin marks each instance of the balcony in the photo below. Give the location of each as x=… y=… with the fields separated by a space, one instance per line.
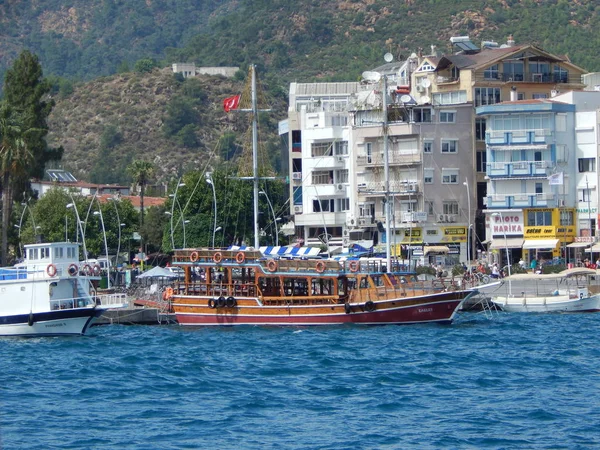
x=522 y=200
x=517 y=137
x=396 y=188
x=519 y=169
x=529 y=77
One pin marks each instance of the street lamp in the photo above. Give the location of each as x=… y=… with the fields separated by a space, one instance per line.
x=469 y=237
x=99 y=213
x=499 y=214
x=210 y=181
x=274 y=217
x=114 y=200
x=179 y=184
x=74 y=206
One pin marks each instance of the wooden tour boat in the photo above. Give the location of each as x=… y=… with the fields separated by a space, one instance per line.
x=232 y=287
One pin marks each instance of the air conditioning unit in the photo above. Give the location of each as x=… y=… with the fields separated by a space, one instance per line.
x=346 y=232
x=441 y=217
x=452 y=218
x=351 y=222
x=345 y=242
x=414 y=187
x=561 y=203
x=297 y=176
x=340 y=159
x=340 y=187
x=298 y=209
x=362 y=221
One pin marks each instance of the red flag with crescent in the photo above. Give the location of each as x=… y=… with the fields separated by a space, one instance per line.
x=231 y=103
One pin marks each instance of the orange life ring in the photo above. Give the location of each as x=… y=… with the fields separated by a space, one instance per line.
x=51 y=270
x=194 y=257
x=353 y=266
x=272 y=265
x=73 y=269
x=240 y=257
x=320 y=267
x=87 y=269
x=96 y=269
x=218 y=257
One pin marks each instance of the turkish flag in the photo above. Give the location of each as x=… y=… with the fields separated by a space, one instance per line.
x=231 y=103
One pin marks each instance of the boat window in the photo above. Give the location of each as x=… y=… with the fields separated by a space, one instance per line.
x=33 y=253
x=294 y=286
x=342 y=286
x=58 y=252
x=270 y=286
x=45 y=253
x=321 y=286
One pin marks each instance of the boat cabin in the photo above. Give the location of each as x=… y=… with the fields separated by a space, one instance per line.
x=51 y=260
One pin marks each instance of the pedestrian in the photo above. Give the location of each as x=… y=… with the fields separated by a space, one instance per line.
x=495 y=271
x=522 y=264
x=533 y=265
x=440 y=271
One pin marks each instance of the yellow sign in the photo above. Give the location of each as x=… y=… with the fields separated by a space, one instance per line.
x=454 y=234
x=539 y=232
x=412 y=235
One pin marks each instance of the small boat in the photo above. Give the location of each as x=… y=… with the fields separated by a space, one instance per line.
x=232 y=287
x=572 y=290
x=51 y=293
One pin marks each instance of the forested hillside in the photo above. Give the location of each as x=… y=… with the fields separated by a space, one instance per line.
x=126 y=112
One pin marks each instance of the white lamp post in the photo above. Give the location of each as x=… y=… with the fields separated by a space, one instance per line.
x=274 y=217
x=210 y=181
x=74 y=206
x=174 y=196
x=499 y=214
x=99 y=213
x=469 y=237
x=114 y=200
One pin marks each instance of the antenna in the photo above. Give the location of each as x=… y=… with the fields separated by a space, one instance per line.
x=426 y=83
x=406 y=98
x=425 y=99
x=372 y=77
x=388 y=57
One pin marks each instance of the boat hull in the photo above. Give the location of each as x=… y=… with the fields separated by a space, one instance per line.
x=435 y=308
x=73 y=322
x=550 y=304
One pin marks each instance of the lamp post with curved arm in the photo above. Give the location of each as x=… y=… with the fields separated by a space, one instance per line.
x=120 y=225
x=274 y=217
x=74 y=206
x=209 y=180
x=99 y=213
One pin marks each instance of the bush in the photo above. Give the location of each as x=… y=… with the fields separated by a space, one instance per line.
x=425 y=269
x=554 y=268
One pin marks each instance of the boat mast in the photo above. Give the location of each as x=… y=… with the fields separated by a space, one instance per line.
x=255 y=154
x=386 y=162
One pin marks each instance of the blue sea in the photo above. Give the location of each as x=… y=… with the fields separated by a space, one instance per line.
x=512 y=381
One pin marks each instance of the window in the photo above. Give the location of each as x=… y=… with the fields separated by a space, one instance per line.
x=520 y=96
x=539 y=188
x=539 y=218
x=339 y=121
x=340 y=148
x=422 y=115
x=44 y=253
x=481 y=161
x=491 y=73
x=587 y=164
x=322 y=177
x=449 y=146
x=586 y=195
x=320 y=149
x=566 y=218
x=540 y=71
x=561 y=75
x=450 y=98
x=426 y=67
x=539 y=95
x=449 y=176
x=450 y=207
x=429 y=207
x=447 y=116
x=343 y=204
x=324 y=205
x=428 y=176
x=369 y=151
x=513 y=70
x=480 y=128
x=427 y=146
x=487 y=96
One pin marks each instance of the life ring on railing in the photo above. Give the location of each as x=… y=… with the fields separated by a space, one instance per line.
x=218 y=257
x=353 y=266
x=231 y=303
x=96 y=269
x=87 y=269
x=73 y=269
x=272 y=265
x=370 y=306
x=168 y=293
x=194 y=256
x=51 y=270
x=320 y=267
x=240 y=257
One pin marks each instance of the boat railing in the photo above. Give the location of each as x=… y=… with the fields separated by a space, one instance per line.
x=71 y=303
x=116 y=299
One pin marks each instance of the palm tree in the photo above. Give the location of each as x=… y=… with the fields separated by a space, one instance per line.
x=15 y=159
x=141 y=172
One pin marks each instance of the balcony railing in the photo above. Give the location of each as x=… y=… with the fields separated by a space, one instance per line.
x=529 y=77
x=519 y=169
x=545 y=199
x=396 y=187
x=516 y=137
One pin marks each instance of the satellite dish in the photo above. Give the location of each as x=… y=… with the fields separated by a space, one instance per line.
x=425 y=99
x=406 y=98
x=388 y=57
x=373 y=77
x=426 y=83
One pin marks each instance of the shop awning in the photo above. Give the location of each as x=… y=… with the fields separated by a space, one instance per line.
x=594 y=249
x=539 y=243
x=579 y=244
x=506 y=243
x=435 y=249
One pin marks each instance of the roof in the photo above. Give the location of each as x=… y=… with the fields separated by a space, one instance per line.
x=135 y=200
x=343 y=88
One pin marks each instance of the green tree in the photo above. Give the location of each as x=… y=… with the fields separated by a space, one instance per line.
x=141 y=172
x=145 y=65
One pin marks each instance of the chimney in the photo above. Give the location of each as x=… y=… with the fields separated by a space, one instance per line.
x=513 y=94
x=433 y=50
x=510 y=41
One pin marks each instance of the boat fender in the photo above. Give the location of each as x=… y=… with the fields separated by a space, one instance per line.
x=212 y=303
x=194 y=257
x=353 y=266
x=370 y=306
x=73 y=270
x=218 y=257
x=320 y=267
x=272 y=265
x=231 y=303
x=30 y=320
x=87 y=269
x=51 y=270
x=240 y=257
x=221 y=302
x=347 y=308
x=96 y=269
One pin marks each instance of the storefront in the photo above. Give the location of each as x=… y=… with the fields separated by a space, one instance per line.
x=505 y=236
x=548 y=232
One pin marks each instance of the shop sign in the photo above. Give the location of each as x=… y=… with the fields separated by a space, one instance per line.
x=412 y=235
x=509 y=224
x=454 y=234
x=538 y=232
x=585 y=210
x=584 y=238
